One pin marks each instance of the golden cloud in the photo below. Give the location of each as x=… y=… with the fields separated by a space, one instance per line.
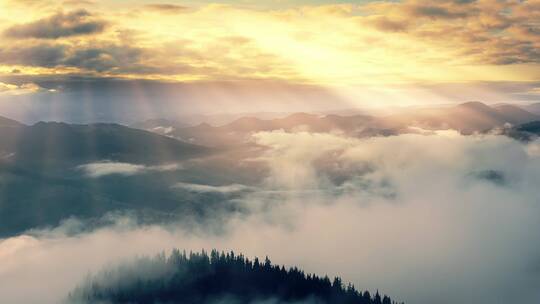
x=374 y=43
x=26 y=88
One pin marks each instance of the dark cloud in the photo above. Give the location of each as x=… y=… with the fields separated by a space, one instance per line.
x=40 y=55
x=104 y=58
x=506 y=52
x=162 y=7
x=125 y=58
x=436 y=12
x=79 y=22
x=388 y=25
x=99 y=58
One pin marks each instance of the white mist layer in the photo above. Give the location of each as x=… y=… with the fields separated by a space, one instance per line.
x=412 y=215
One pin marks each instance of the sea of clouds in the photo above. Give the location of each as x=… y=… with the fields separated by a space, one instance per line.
x=424 y=218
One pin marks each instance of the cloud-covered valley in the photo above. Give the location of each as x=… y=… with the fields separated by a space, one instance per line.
x=442 y=218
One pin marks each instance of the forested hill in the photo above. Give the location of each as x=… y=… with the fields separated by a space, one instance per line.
x=202 y=278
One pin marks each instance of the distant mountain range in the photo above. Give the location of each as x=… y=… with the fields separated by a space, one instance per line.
x=466 y=118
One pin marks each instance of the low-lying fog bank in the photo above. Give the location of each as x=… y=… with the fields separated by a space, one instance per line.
x=437 y=218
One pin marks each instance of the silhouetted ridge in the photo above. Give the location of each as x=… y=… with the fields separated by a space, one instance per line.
x=218 y=277
x=6 y=122
x=54 y=141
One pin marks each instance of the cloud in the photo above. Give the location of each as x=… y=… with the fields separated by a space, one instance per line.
x=23 y=89
x=97 y=57
x=533 y=149
x=490 y=32
x=104 y=58
x=387 y=25
x=435 y=12
x=42 y=55
x=74 y=23
x=163 y=130
x=166 y=8
x=109 y=168
x=225 y=189
x=104 y=168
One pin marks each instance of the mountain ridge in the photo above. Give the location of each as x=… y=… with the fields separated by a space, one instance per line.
x=467 y=118
x=7 y=122
x=58 y=141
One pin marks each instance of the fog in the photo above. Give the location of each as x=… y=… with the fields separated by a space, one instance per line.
x=104 y=168
x=438 y=218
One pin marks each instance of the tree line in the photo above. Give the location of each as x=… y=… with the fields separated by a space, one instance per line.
x=215 y=277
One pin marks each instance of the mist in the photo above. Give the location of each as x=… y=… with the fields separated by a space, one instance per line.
x=436 y=218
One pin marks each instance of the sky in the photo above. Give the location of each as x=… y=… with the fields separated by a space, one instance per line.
x=366 y=53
